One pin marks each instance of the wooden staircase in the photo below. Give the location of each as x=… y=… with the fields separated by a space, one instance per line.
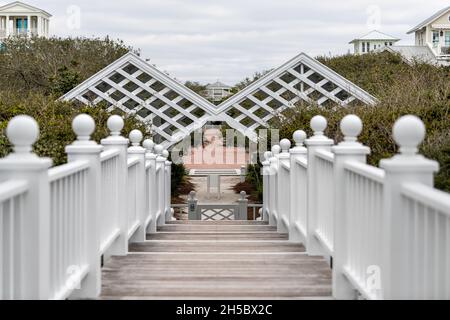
x=216 y=260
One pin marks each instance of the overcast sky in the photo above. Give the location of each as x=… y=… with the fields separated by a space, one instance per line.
x=208 y=40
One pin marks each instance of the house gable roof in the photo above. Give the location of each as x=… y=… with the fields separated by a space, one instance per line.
x=24 y=7
x=429 y=20
x=375 y=35
x=218 y=85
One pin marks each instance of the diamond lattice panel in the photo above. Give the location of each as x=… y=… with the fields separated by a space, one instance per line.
x=301 y=79
x=133 y=86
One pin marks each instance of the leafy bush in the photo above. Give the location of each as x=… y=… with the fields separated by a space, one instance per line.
x=55 y=65
x=55 y=122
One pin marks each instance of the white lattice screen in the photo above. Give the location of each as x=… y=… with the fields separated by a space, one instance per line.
x=134 y=86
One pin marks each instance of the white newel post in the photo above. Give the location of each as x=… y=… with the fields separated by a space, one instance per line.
x=160 y=188
x=243 y=204
x=273 y=190
x=167 y=183
x=22 y=164
x=297 y=151
x=406 y=167
x=151 y=192
x=116 y=142
x=317 y=141
x=138 y=152
x=265 y=171
x=284 y=202
x=349 y=149
x=85 y=149
x=243 y=169
x=192 y=207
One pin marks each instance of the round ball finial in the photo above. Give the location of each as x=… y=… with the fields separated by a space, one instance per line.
x=318 y=124
x=165 y=154
x=83 y=125
x=148 y=144
x=192 y=194
x=158 y=149
x=243 y=195
x=299 y=137
x=351 y=127
x=409 y=132
x=115 y=124
x=135 y=137
x=285 y=145
x=267 y=155
x=276 y=149
x=22 y=132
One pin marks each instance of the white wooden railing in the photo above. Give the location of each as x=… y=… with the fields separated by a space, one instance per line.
x=385 y=231
x=56 y=224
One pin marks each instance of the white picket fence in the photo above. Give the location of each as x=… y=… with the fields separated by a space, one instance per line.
x=385 y=231
x=57 y=223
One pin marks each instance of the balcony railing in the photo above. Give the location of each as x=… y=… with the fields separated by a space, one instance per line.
x=445 y=50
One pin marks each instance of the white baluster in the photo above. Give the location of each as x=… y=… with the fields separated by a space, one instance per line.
x=273 y=195
x=283 y=188
x=115 y=141
x=160 y=184
x=167 y=184
x=22 y=164
x=265 y=171
x=152 y=190
x=138 y=152
x=317 y=141
x=297 y=151
x=86 y=149
x=405 y=167
x=349 y=149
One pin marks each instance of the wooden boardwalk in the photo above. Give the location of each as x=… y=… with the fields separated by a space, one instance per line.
x=216 y=260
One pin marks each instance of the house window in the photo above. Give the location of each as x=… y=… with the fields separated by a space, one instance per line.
x=363 y=47
x=447 y=38
x=368 y=46
x=435 y=37
x=390 y=43
x=385 y=44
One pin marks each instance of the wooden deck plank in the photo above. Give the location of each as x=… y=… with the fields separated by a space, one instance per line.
x=221 y=222
x=216 y=246
x=215 y=228
x=216 y=261
x=217 y=236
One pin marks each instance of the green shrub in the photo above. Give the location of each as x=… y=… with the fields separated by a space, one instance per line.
x=55 y=122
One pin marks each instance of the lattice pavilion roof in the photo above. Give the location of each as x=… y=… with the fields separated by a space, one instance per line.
x=134 y=86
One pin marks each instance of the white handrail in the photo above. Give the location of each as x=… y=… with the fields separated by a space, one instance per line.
x=66 y=170
x=428 y=196
x=108 y=154
x=12 y=188
x=370 y=172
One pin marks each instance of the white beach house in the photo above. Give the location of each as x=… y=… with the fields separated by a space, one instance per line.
x=434 y=32
x=18 y=18
x=372 y=41
x=217 y=91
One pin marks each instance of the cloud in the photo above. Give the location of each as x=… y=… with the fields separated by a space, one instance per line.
x=207 y=40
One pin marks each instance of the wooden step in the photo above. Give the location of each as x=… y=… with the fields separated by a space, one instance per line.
x=217 y=236
x=216 y=246
x=260 y=275
x=215 y=228
x=219 y=222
